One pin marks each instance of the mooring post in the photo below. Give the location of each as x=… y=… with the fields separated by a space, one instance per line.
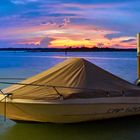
x=138 y=59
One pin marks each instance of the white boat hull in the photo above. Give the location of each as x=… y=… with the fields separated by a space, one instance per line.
x=70 y=111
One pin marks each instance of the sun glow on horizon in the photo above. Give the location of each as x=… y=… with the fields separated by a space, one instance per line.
x=71 y=43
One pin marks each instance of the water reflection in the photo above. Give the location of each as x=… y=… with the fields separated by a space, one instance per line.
x=116 y=129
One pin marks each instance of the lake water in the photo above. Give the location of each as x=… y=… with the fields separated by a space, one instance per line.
x=25 y=64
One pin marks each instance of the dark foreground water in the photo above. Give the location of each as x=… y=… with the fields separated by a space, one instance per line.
x=117 y=129
x=25 y=64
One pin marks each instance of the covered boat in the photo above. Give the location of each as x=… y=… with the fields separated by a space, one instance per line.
x=72 y=91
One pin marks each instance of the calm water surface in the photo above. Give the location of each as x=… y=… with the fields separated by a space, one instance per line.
x=25 y=64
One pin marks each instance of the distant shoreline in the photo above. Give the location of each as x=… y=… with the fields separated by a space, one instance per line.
x=69 y=49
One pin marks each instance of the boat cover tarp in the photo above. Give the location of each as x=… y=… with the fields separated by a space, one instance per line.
x=73 y=78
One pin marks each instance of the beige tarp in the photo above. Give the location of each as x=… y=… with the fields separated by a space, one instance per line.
x=73 y=78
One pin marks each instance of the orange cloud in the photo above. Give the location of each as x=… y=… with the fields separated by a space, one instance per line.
x=69 y=35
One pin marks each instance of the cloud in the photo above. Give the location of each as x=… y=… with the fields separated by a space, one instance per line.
x=66 y=21
x=87 y=39
x=12 y=44
x=129 y=40
x=117 y=35
x=95 y=1
x=46 y=42
x=29 y=43
x=100 y=45
x=23 y=1
x=48 y=23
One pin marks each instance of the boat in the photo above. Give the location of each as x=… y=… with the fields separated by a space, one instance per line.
x=75 y=90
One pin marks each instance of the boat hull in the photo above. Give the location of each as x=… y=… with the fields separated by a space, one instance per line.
x=69 y=111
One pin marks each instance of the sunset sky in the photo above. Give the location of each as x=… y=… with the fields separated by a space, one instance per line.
x=65 y=23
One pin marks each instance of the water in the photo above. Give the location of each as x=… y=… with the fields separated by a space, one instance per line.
x=25 y=64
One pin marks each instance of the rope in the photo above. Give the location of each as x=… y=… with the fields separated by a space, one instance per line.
x=24 y=84
x=61 y=96
x=2 y=92
x=5 y=109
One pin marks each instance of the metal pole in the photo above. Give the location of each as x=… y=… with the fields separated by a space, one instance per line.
x=5 y=109
x=138 y=55
x=138 y=60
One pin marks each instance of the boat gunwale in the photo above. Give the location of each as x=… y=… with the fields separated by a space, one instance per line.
x=106 y=100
